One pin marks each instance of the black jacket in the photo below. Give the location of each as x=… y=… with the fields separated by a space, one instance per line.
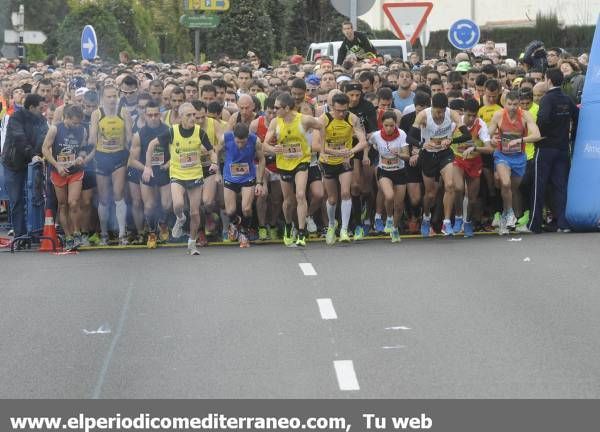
x=25 y=135
x=557 y=112
x=360 y=46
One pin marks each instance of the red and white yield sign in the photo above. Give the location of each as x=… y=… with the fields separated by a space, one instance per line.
x=408 y=19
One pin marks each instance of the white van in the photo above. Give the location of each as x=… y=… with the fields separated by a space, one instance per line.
x=393 y=47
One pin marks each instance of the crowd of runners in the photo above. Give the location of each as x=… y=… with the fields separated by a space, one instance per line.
x=239 y=151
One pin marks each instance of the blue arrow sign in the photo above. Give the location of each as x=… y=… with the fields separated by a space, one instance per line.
x=89 y=43
x=464 y=34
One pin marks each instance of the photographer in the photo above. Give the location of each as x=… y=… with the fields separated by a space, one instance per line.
x=25 y=134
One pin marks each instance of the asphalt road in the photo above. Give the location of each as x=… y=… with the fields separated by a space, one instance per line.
x=435 y=318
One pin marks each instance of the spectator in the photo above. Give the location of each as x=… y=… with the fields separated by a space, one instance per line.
x=355 y=43
x=25 y=134
x=573 y=79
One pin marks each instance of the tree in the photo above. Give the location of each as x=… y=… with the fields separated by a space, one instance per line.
x=246 y=26
x=135 y=24
x=110 y=39
x=173 y=39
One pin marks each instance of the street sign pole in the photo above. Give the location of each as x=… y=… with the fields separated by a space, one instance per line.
x=20 y=27
x=423 y=32
x=353 y=17
x=196 y=46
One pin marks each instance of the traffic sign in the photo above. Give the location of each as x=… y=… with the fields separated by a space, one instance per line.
x=464 y=34
x=89 y=43
x=408 y=19
x=29 y=37
x=206 y=5
x=344 y=6
x=199 y=21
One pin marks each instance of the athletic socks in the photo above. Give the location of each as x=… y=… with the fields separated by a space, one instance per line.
x=346 y=211
x=331 y=214
x=103 y=217
x=121 y=211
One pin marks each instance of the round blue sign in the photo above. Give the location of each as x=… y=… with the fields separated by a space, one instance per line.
x=89 y=43
x=464 y=34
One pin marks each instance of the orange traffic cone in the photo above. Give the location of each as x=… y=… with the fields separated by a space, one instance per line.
x=50 y=233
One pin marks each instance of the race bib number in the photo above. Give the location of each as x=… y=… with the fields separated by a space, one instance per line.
x=505 y=144
x=66 y=159
x=292 y=151
x=390 y=163
x=111 y=145
x=158 y=158
x=239 y=169
x=188 y=159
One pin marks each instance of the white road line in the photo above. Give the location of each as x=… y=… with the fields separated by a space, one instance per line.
x=344 y=369
x=397 y=328
x=308 y=269
x=326 y=309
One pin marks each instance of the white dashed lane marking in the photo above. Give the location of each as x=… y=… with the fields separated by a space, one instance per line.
x=326 y=309
x=347 y=381
x=307 y=269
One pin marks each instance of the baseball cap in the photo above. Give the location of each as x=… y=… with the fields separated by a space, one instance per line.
x=342 y=78
x=463 y=66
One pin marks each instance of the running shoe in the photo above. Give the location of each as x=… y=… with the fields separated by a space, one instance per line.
x=330 y=236
x=288 y=238
x=103 y=240
x=389 y=226
x=201 y=242
x=263 y=234
x=273 y=234
x=232 y=232
x=524 y=220
x=468 y=229
x=192 y=249
x=225 y=236
x=311 y=226
x=123 y=241
x=85 y=240
x=496 y=220
x=379 y=226
x=177 y=231
x=69 y=244
x=301 y=241
x=522 y=229
x=138 y=240
x=395 y=235
x=344 y=237
x=447 y=229
x=252 y=234
x=244 y=242
x=458 y=224
x=425 y=227
x=563 y=230
x=511 y=220
x=163 y=233
x=359 y=233
x=94 y=239
x=151 y=243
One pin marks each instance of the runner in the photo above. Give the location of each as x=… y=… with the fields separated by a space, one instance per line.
x=63 y=148
x=184 y=142
x=171 y=116
x=271 y=201
x=511 y=128
x=390 y=143
x=157 y=189
x=109 y=133
x=293 y=153
x=436 y=126
x=336 y=160
x=240 y=176
x=468 y=167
